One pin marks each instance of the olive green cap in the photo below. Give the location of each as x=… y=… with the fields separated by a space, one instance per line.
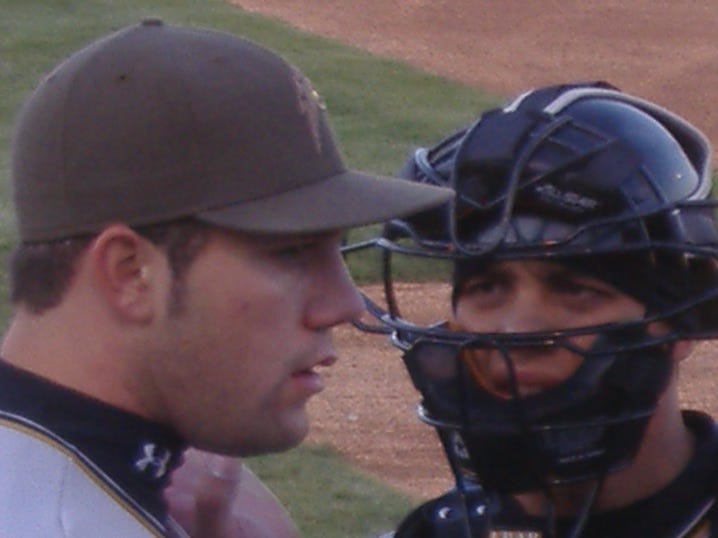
x=157 y=122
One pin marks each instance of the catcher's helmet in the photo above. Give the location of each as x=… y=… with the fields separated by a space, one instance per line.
x=583 y=175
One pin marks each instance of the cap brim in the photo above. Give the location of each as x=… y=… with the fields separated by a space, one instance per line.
x=343 y=201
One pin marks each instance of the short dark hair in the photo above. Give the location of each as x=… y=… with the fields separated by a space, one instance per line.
x=41 y=272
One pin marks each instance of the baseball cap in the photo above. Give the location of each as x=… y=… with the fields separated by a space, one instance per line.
x=157 y=122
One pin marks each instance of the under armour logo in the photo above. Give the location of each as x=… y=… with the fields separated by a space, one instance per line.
x=153 y=460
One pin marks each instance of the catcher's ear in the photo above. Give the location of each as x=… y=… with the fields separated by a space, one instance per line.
x=682 y=349
x=121 y=262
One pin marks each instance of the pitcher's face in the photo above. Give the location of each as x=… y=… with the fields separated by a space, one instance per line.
x=238 y=363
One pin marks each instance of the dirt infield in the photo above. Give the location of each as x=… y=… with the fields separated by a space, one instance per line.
x=666 y=51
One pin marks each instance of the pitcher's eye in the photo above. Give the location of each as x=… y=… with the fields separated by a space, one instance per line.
x=294 y=251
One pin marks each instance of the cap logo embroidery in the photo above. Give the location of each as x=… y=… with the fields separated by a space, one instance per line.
x=310 y=105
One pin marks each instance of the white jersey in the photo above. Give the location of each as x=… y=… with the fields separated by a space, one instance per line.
x=48 y=491
x=84 y=482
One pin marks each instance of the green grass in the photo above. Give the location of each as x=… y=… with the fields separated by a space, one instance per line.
x=380 y=109
x=326 y=497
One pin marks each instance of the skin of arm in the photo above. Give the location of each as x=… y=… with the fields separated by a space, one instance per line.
x=214 y=496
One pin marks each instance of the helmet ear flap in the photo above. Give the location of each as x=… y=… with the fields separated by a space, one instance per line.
x=431 y=225
x=397 y=228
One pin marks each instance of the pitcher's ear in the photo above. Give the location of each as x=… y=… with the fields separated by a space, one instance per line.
x=121 y=262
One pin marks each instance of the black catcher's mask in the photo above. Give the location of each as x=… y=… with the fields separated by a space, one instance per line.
x=582 y=175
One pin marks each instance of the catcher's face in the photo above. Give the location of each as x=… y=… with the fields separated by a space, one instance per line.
x=528 y=296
